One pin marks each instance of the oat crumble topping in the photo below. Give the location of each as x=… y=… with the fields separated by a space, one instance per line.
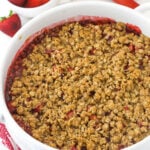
x=83 y=86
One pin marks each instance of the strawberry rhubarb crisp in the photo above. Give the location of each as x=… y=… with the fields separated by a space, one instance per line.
x=83 y=85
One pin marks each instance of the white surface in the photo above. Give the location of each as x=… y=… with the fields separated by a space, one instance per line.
x=5 y=40
x=2 y=147
x=144 y=9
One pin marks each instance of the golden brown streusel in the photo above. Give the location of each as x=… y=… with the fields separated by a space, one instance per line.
x=85 y=87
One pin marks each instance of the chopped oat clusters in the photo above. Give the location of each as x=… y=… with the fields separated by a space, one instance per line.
x=83 y=86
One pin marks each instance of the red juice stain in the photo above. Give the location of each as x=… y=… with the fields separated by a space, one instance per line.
x=130 y=28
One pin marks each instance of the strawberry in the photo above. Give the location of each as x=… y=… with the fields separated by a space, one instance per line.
x=18 y=2
x=35 y=3
x=11 y=24
x=129 y=3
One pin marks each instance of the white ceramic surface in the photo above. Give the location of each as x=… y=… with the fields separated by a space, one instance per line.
x=54 y=15
x=144 y=9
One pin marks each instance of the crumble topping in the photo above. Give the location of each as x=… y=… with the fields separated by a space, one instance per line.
x=83 y=86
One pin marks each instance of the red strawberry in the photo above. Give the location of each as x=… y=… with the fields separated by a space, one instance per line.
x=35 y=3
x=129 y=3
x=18 y=2
x=11 y=24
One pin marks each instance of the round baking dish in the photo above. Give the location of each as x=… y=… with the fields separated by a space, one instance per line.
x=54 y=16
x=144 y=9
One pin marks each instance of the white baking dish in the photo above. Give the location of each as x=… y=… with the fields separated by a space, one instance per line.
x=55 y=15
